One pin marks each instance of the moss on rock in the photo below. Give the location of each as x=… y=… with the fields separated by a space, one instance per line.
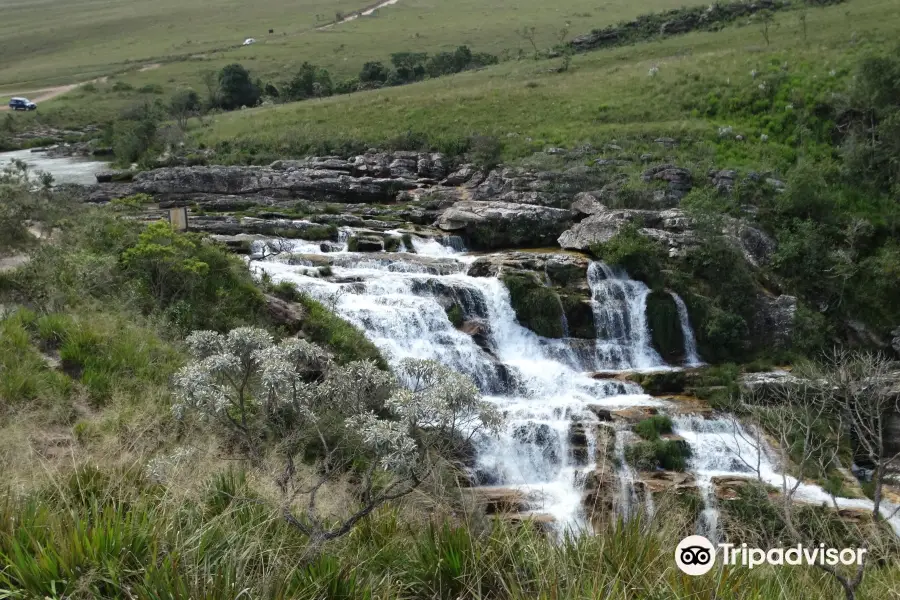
x=579 y=316
x=455 y=314
x=537 y=307
x=665 y=327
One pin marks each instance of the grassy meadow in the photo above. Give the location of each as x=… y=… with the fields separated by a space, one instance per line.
x=604 y=95
x=53 y=42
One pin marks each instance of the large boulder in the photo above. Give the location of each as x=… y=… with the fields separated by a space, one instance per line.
x=488 y=225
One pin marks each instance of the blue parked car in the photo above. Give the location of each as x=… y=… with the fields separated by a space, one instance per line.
x=22 y=104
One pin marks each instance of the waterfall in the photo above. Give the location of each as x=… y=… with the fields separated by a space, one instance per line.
x=725 y=448
x=547 y=446
x=620 y=316
x=691 y=358
x=626 y=496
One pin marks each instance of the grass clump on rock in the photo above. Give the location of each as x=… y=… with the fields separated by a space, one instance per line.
x=650 y=429
x=670 y=455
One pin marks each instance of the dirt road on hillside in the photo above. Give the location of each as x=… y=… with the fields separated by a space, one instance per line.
x=44 y=94
x=38 y=96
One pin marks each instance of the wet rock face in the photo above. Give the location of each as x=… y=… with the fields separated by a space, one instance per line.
x=773 y=322
x=549 y=290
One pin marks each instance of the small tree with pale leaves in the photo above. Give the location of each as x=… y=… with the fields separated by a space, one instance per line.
x=848 y=397
x=393 y=430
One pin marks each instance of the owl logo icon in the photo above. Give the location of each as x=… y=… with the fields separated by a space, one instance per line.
x=695 y=555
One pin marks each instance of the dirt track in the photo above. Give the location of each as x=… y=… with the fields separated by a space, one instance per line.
x=43 y=95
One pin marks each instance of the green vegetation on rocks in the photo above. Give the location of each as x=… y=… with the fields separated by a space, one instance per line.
x=670 y=455
x=650 y=429
x=537 y=307
x=640 y=256
x=665 y=326
x=455 y=314
x=343 y=339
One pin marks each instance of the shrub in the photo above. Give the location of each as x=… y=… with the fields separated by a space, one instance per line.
x=151 y=88
x=640 y=256
x=392 y=244
x=650 y=429
x=183 y=105
x=671 y=455
x=286 y=290
x=122 y=86
x=135 y=134
x=199 y=285
x=309 y=82
x=319 y=233
x=485 y=151
x=537 y=307
x=373 y=72
x=236 y=89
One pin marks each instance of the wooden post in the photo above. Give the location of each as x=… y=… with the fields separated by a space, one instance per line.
x=178 y=218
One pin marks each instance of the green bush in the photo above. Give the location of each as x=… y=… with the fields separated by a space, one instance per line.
x=309 y=82
x=640 y=256
x=236 y=89
x=650 y=429
x=151 y=88
x=671 y=455
x=537 y=307
x=197 y=284
x=286 y=290
x=319 y=233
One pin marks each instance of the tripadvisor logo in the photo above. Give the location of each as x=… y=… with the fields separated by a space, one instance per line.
x=696 y=555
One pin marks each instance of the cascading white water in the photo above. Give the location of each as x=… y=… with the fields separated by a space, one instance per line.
x=620 y=316
x=399 y=302
x=725 y=448
x=537 y=383
x=626 y=496
x=691 y=358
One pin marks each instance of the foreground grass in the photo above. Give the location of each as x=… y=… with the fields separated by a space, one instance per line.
x=127 y=534
x=605 y=96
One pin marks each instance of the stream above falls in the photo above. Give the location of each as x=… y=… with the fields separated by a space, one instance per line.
x=65 y=169
x=556 y=413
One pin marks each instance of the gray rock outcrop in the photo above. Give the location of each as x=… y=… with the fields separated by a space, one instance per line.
x=495 y=224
